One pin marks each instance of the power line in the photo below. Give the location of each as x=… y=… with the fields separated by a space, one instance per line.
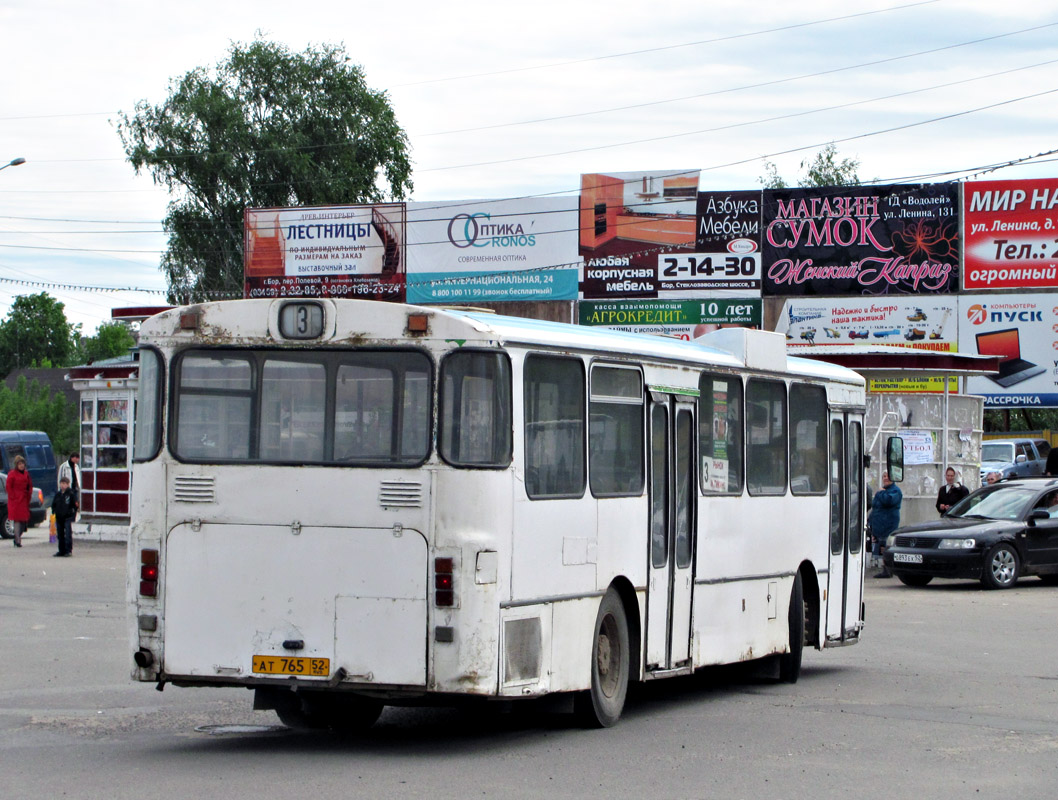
x=684 y=134
x=60 y=116
x=715 y=40
x=776 y=82
x=537 y=67
x=979 y=171
x=746 y=160
x=79 y=287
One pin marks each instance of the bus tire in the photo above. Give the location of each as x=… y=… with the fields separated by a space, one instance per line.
x=601 y=706
x=790 y=662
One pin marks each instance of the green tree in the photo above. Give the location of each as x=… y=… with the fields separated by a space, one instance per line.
x=265 y=128
x=824 y=169
x=111 y=339
x=31 y=407
x=771 y=179
x=35 y=330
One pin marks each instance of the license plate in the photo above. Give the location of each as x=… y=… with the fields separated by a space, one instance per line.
x=908 y=558
x=292 y=665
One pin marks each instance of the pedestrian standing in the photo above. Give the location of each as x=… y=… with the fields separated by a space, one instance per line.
x=64 y=508
x=885 y=517
x=950 y=493
x=71 y=470
x=19 y=488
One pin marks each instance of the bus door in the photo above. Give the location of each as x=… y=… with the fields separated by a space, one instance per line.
x=845 y=591
x=672 y=533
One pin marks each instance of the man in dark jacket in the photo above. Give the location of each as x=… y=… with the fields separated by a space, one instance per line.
x=885 y=517
x=64 y=507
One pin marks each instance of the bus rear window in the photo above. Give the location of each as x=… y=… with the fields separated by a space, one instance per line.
x=363 y=408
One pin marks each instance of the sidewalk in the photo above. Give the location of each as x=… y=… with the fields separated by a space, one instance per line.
x=37 y=551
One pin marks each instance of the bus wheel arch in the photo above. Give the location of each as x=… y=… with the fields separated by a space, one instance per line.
x=627 y=593
x=813 y=606
x=790 y=661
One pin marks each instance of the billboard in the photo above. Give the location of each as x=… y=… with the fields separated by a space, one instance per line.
x=1022 y=329
x=861 y=240
x=727 y=246
x=333 y=251
x=493 y=250
x=629 y=222
x=683 y=319
x=1011 y=234
x=924 y=323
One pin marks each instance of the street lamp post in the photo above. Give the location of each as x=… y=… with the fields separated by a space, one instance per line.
x=14 y=163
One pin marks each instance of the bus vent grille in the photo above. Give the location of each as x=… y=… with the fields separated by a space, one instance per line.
x=193 y=489
x=400 y=494
x=521 y=650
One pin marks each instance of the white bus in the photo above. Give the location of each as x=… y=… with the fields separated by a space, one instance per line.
x=344 y=504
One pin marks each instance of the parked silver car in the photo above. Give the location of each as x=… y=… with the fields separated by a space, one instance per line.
x=1014 y=458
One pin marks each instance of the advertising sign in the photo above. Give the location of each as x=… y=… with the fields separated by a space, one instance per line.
x=684 y=319
x=932 y=384
x=727 y=246
x=333 y=251
x=1011 y=234
x=925 y=323
x=493 y=250
x=629 y=223
x=1022 y=329
x=918 y=446
x=861 y=240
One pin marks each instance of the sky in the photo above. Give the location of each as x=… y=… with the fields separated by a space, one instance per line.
x=509 y=100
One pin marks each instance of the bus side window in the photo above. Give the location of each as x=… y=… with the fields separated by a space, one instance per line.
x=808 y=446
x=615 y=432
x=476 y=409
x=554 y=427
x=766 y=451
x=720 y=433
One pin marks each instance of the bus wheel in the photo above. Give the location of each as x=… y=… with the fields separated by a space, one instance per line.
x=317 y=711
x=601 y=706
x=790 y=663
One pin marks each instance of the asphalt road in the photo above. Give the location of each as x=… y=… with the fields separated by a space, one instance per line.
x=952 y=694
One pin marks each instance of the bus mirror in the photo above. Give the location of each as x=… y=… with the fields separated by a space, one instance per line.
x=894 y=459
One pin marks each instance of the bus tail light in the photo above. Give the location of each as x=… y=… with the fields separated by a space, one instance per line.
x=443 y=569
x=149 y=573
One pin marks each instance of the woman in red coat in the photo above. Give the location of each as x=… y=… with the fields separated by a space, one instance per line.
x=19 y=487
